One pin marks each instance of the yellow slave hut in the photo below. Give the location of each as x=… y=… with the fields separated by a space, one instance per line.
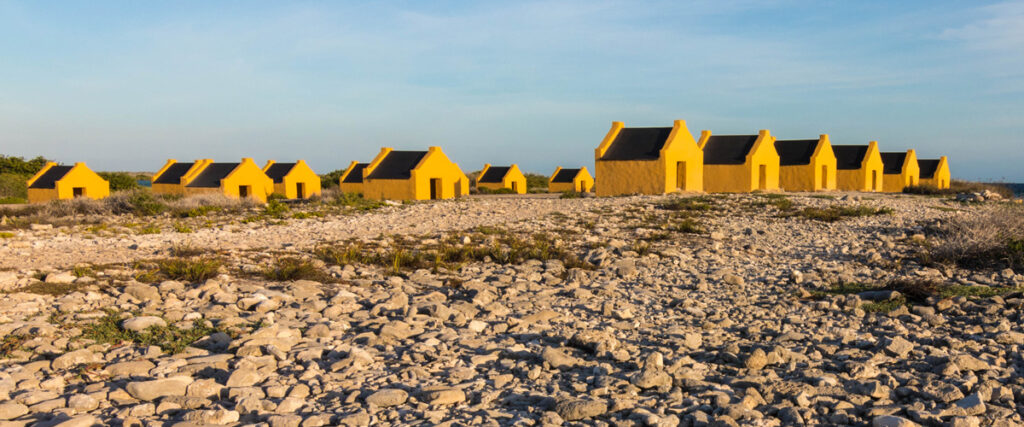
x=899 y=170
x=649 y=160
x=293 y=180
x=563 y=180
x=413 y=175
x=858 y=167
x=237 y=180
x=806 y=164
x=500 y=177
x=935 y=172
x=58 y=182
x=351 y=181
x=739 y=163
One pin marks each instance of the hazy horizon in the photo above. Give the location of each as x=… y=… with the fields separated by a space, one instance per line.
x=125 y=86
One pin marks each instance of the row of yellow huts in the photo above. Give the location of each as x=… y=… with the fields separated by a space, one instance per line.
x=641 y=160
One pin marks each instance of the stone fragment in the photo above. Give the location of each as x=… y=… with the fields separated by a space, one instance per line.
x=580 y=409
x=155 y=389
x=244 y=377
x=899 y=347
x=892 y=421
x=388 y=397
x=75 y=358
x=141 y=323
x=10 y=410
x=756 y=360
x=443 y=396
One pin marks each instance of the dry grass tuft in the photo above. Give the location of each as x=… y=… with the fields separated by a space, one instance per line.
x=994 y=238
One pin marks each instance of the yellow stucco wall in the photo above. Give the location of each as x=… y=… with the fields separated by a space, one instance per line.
x=942 y=176
x=80 y=176
x=179 y=188
x=745 y=177
x=909 y=175
x=435 y=165
x=356 y=188
x=619 y=177
x=514 y=179
x=582 y=183
x=248 y=174
x=300 y=173
x=868 y=177
x=819 y=175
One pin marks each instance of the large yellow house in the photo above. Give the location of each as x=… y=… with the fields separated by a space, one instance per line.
x=351 y=180
x=413 y=175
x=563 y=180
x=293 y=180
x=935 y=172
x=899 y=171
x=236 y=180
x=499 y=177
x=806 y=164
x=649 y=160
x=55 y=182
x=858 y=167
x=739 y=163
x=174 y=176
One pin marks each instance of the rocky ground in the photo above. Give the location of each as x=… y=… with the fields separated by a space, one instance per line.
x=717 y=310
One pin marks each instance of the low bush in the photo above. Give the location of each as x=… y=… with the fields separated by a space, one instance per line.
x=693 y=204
x=120 y=181
x=330 y=179
x=190 y=270
x=170 y=338
x=536 y=182
x=836 y=213
x=571 y=195
x=991 y=239
x=497 y=248
x=958 y=187
x=289 y=268
x=14 y=185
x=482 y=190
x=912 y=292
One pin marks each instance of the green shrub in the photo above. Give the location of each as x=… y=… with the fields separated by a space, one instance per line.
x=700 y=204
x=191 y=270
x=570 y=195
x=170 y=338
x=483 y=190
x=330 y=179
x=290 y=268
x=120 y=181
x=20 y=166
x=12 y=200
x=536 y=181
x=275 y=208
x=836 y=213
x=991 y=239
x=14 y=185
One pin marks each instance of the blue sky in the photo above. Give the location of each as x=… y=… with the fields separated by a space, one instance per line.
x=126 y=85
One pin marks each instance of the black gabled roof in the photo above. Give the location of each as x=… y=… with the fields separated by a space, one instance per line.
x=173 y=173
x=397 y=165
x=637 y=144
x=794 y=152
x=849 y=157
x=928 y=167
x=51 y=176
x=277 y=171
x=494 y=174
x=728 y=149
x=355 y=176
x=566 y=175
x=212 y=174
x=892 y=163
